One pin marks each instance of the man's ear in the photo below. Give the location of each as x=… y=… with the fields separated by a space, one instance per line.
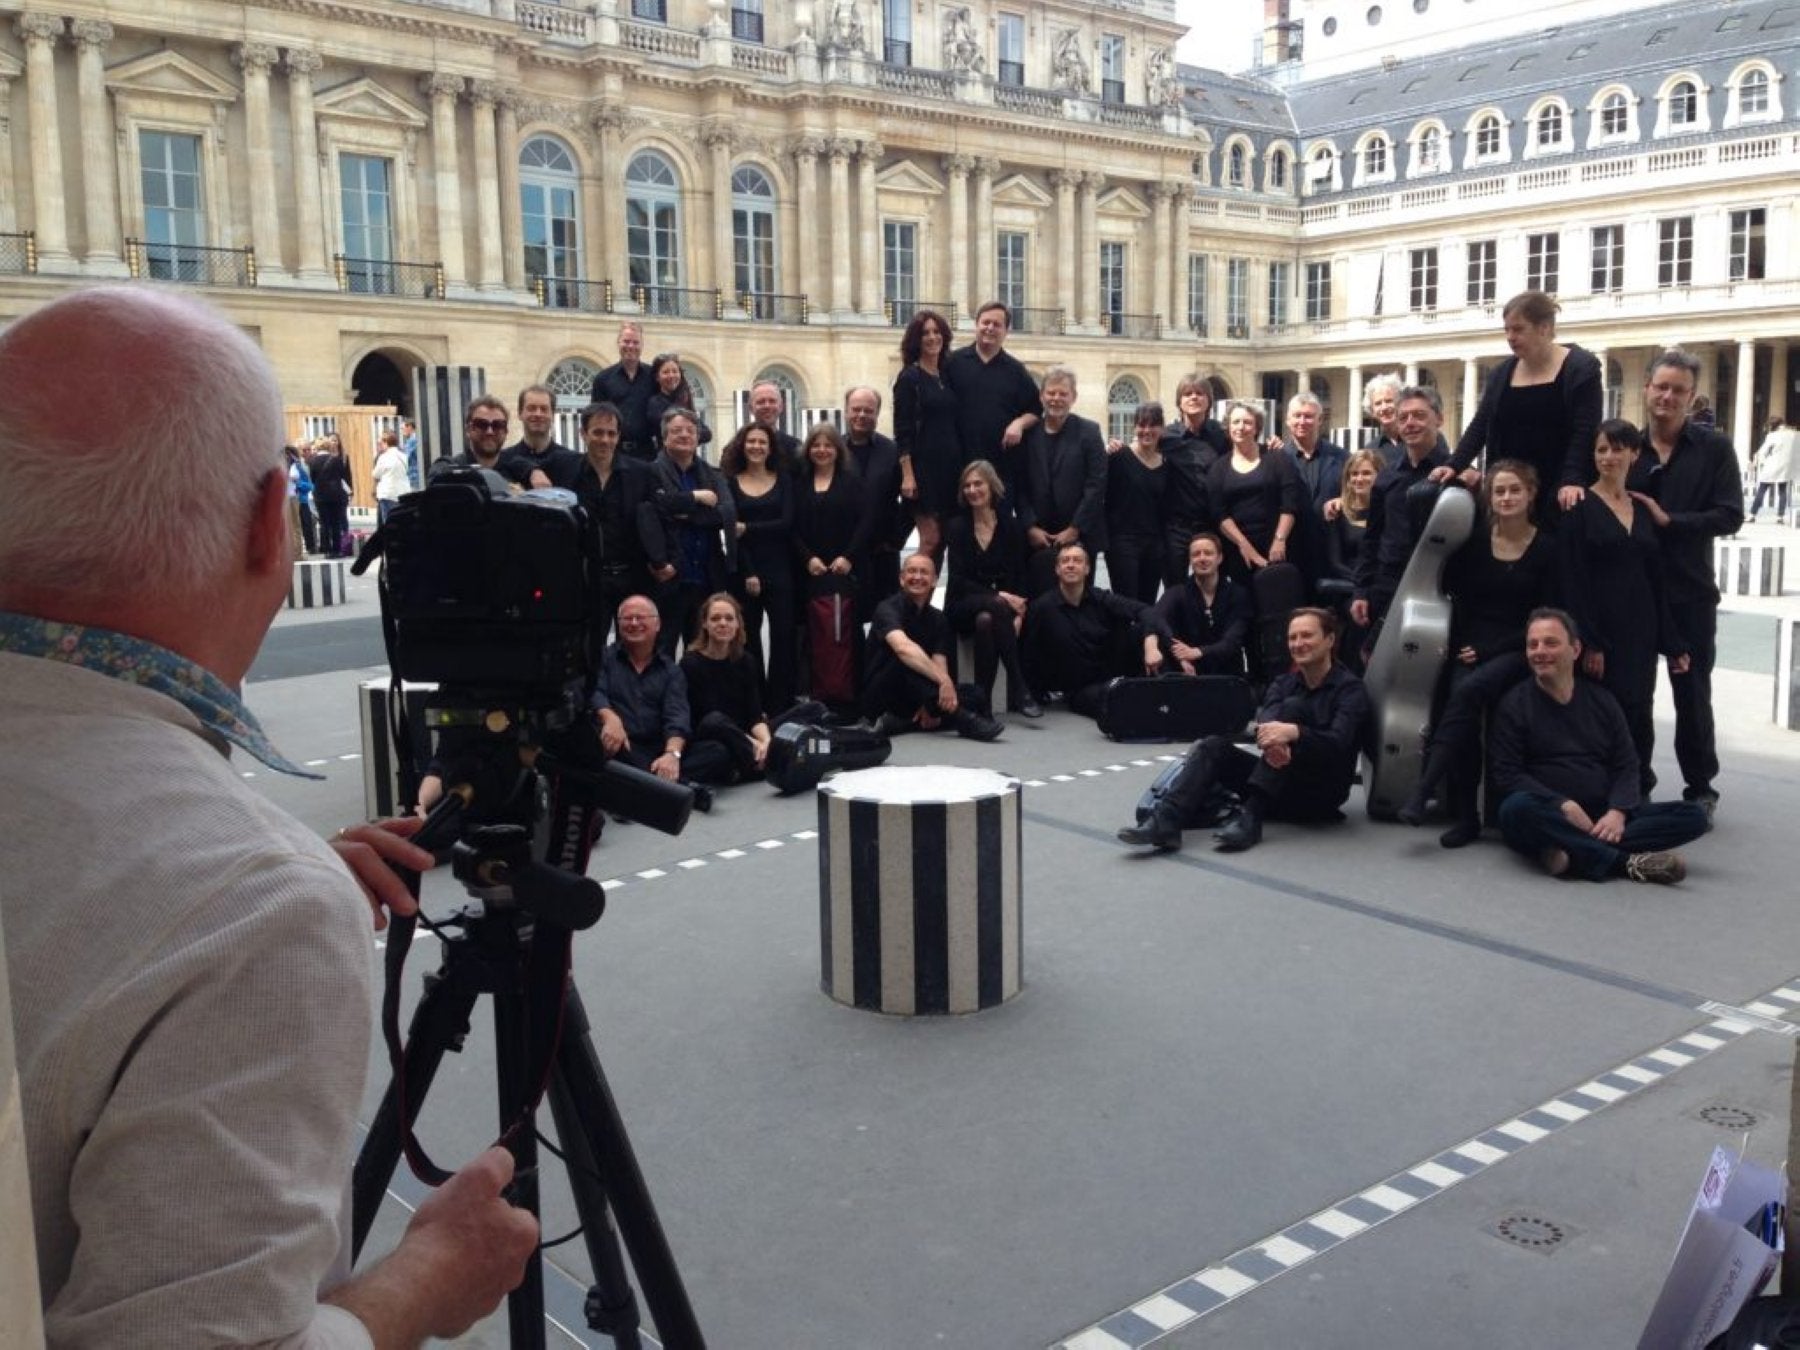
x=268 y=546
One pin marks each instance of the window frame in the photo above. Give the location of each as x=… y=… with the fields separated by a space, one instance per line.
x=1482 y=273
x=1317 y=280
x=1422 y=280
x=1674 y=252
x=750 y=208
x=1543 y=262
x=1606 y=259
x=550 y=180
x=659 y=197
x=1747 y=258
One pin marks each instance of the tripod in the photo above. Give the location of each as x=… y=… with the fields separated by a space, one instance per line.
x=513 y=947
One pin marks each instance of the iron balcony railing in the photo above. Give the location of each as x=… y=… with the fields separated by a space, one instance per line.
x=680 y=302
x=18 y=253
x=595 y=297
x=1136 y=326
x=792 y=309
x=384 y=276
x=900 y=312
x=1051 y=321
x=190 y=264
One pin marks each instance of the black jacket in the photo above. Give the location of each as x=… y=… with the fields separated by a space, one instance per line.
x=1572 y=461
x=1702 y=489
x=672 y=506
x=1064 y=480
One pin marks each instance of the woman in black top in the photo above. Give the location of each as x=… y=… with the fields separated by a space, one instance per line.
x=724 y=690
x=1137 y=509
x=985 y=592
x=765 y=584
x=1505 y=571
x=925 y=428
x=1612 y=570
x=1190 y=444
x=672 y=391
x=1343 y=545
x=1541 y=405
x=1257 y=496
x=832 y=524
x=330 y=469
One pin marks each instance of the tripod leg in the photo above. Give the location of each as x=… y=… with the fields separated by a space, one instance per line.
x=602 y=1136
x=611 y=1305
x=512 y=1061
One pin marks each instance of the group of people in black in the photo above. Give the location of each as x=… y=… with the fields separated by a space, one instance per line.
x=1220 y=540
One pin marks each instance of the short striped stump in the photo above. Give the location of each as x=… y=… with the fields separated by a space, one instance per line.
x=919 y=889
x=1749 y=569
x=1787 y=673
x=317 y=582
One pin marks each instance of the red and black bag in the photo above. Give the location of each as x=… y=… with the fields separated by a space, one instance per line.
x=831 y=633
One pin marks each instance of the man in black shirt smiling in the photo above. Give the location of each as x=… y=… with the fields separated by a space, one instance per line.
x=996 y=399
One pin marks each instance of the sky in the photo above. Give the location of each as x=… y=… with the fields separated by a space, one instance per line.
x=1221 y=32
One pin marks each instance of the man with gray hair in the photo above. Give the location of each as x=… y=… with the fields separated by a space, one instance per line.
x=1391 y=534
x=1320 y=464
x=1061 y=485
x=877 y=460
x=189 y=964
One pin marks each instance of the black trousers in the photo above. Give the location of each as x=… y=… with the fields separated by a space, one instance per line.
x=989 y=621
x=678 y=604
x=903 y=692
x=780 y=657
x=1696 y=746
x=1456 y=748
x=1134 y=565
x=334 y=524
x=1311 y=787
x=701 y=761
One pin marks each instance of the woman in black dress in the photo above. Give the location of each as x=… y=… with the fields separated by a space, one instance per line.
x=1190 y=444
x=1507 y=569
x=765 y=585
x=1137 y=509
x=832 y=524
x=1541 y=405
x=1256 y=495
x=672 y=391
x=332 y=485
x=1613 y=582
x=724 y=692
x=925 y=428
x=1343 y=546
x=985 y=592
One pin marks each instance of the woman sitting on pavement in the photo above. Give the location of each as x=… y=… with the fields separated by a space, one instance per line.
x=985 y=597
x=725 y=689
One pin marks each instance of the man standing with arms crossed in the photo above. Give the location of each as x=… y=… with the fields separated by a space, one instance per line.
x=189 y=964
x=627 y=385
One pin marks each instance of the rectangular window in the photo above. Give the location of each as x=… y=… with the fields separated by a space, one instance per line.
x=1482 y=271
x=1112 y=286
x=1112 y=68
x=1318 y=292
x=1423 y=296
x=1607 y=259
x=174 y=208
x=363 y=185
x=896 y=32
x=1237 y=297
x=1281 y=285
x=753 y=250
x=1675 y=251
x=1749 y=244
x=656 y=11
x=1012 y=49
x=1197 y=265
x=900 y=267
x=747 y=20
x=1543 y=262
x=1009 y=268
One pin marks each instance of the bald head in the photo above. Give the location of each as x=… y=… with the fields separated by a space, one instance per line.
x=137 y=431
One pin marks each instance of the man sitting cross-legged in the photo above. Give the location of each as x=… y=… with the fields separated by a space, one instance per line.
x=1562 y=759
x=1308 y=733
x=909 y=684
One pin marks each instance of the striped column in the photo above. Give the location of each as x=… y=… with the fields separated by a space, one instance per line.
x=1748 y=569
x=1787 y=673
x=441 y=395
x=317 y=583
x=919 y=889
x=381 y=770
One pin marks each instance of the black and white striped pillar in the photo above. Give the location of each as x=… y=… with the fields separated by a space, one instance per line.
x=919 y=889
x=1748 y=569
x=1787 y=673
x=441 y=394
x=317 y=583
x=381 y=770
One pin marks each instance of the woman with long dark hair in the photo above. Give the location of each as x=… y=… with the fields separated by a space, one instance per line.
x=332 y=485
x=985 y=593
x=925 y=428
x=672 y=391
x=1507 y=569
x=765 y=584
x=724 y=690
x=832 y=522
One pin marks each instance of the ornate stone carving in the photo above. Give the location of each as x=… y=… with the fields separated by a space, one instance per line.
x=303 y=61
x=439 y=83
x=986 y=167
x=1066 y=178
x=409 y=147
x=33 y=28
x=847 y=28
x=1161 y=89
x=872 y=151
x=958 y=166
x=257 y=57
x=91 y=32
x=1093 y=180
x=962 y=52
x=485 y=93
x=1069 y=69
x=1163 y=192
x=609 y=117
x=807 y=147
x=841 y=148
x=717 y=136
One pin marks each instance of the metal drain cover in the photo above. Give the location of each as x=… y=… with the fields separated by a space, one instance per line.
x=1729 y=1117
x=1533 y=1232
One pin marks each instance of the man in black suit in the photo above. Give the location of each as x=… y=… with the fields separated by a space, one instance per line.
x=1062 y=481
x=689 y=527
x=628 y=385
x=877 y=460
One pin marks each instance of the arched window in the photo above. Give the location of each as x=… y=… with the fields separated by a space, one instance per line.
x=1550 y=125
x=1753 y=93
x=1234 y=165
x=1374 y=158
x=653 y=231
x=703 y=400
x=572 y=381
x=1430 y=153
x=1122 y=400
x=1615 y=116
x=1278 y=171
x=753 y=233
x=1683 y=104
x=793 y=396
x=1487 y=138
x=1321 y=169
x=549 y=197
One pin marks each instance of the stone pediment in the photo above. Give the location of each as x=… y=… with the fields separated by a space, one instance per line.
x=908 y=177
x=1122 y=203
x=366 y=101
x=1018 y=190
x=170 y=75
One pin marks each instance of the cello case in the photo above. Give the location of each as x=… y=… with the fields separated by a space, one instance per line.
x=802 y=753
x=1402 y=675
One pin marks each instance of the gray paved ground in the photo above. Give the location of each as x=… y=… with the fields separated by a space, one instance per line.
x=1208 y=1051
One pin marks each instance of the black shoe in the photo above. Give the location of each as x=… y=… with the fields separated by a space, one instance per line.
x=974 y=727
x=1412 y=812
x=1461 y=834
x=1707 y=799
x=1243 y=831
x=703 y=797
x=893 y=724
x=1029 y=708
x=1152 y=833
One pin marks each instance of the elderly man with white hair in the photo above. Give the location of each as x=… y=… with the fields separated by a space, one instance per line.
x=189 y=965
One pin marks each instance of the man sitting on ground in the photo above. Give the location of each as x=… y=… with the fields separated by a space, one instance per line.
x=1208 y=616
x=1309 y=732
x=1079 y=637
x=1562 y=759
x=640 y=699
x=909 y=682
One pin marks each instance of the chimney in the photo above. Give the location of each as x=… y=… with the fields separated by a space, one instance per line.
x=1278 y=31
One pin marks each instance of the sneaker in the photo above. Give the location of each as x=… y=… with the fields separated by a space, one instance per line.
x=1657 y=869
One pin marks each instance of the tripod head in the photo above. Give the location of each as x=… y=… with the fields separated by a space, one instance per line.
x=495 y=866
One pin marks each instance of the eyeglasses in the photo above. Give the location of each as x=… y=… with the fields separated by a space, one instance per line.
x=485 y=424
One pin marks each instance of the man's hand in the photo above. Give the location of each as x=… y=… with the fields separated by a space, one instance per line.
x=1593 y=664
x=947 y=696
x=664 y=572
x=1610 y=828
x=909 y=485
x=1442 y=474
x=753 y=586
x=371 y=852
x=1470 y=478
x=1252 y=559
x=540 y=479
x=1334 y=508
x=706 y=497
x=1468 y=656
x=612 y=732
x=1569 y=496
x=815 y=567
x=1185 y=652
x=1580 y=819
x=1037 y=537
x=1359 y=613
x=1654 y=507
x=1278 y=756
x=1680 y=665
x=1153 y=657
x=1276 y=733
x=1278 y=550
x=840 y=567
x=1013 y=433
x=1069 y=534
x=666 y=765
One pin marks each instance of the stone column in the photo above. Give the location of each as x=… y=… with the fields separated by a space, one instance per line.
x=985 y=245
x=1087 y=263
x=9 y=196
x=1470 y=390
x=1353 y=415
x=1412 y=372
x=719 y=141
x=512 y=217
x=1743 y=410
x=484 y=95
x=1179 y=205
x=868 y=223
x=958 y=167
x=255 y=59
x=609 y=121
x=309 y=218
x=443 y=89
x=1778 y=381
x=1163 y=232
x=99 y=173
x=39 y=33
x=843 y=243
x=806 y=206
x=1066 y=181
